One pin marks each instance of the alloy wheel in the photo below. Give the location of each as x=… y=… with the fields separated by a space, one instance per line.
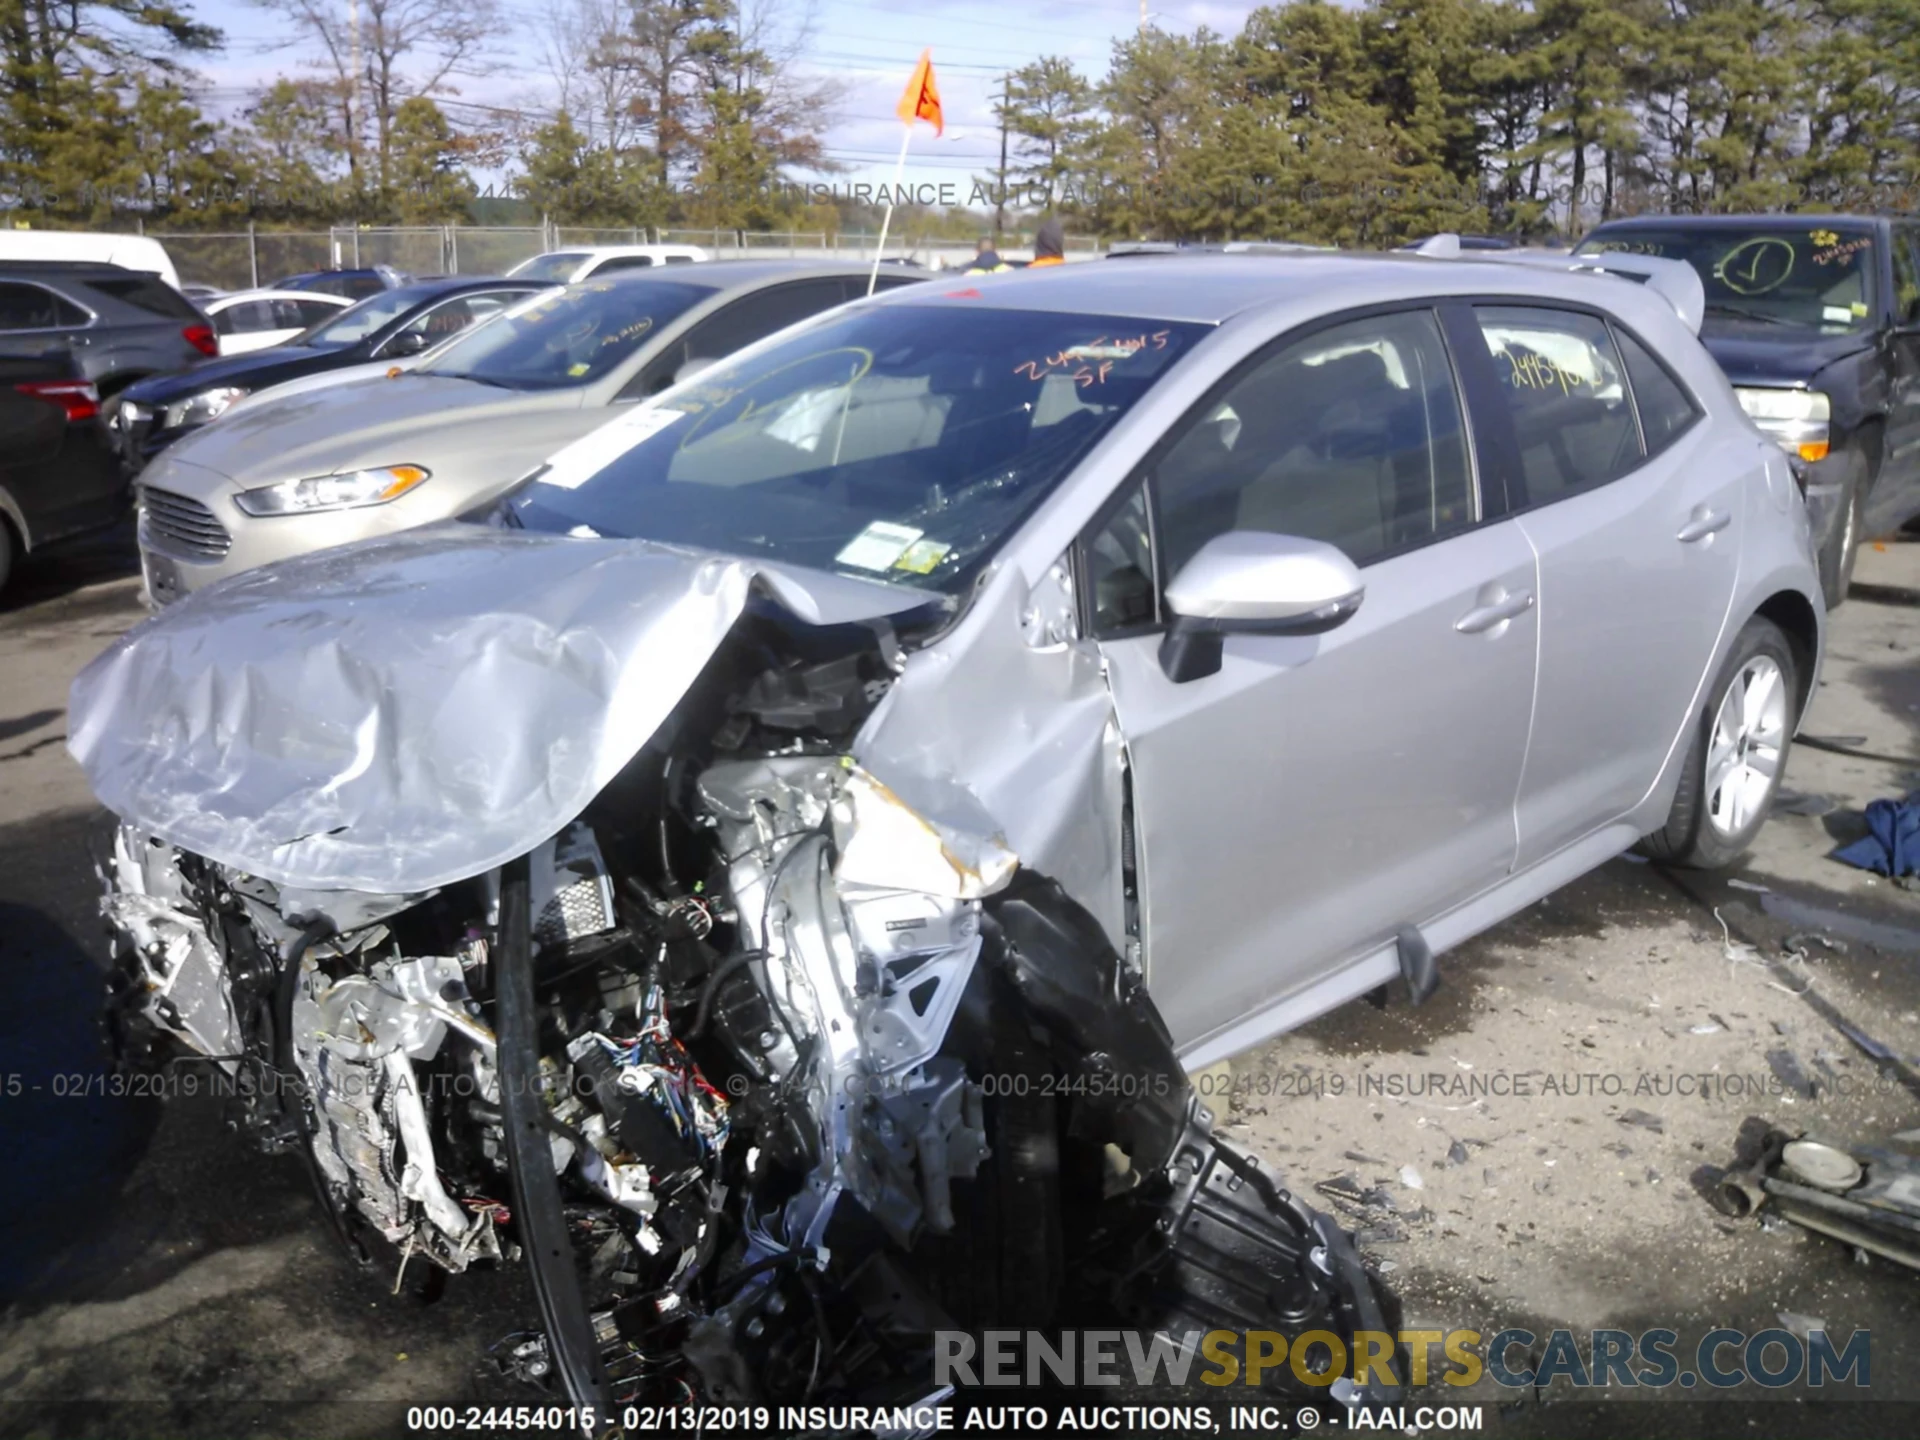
x=1744 y=749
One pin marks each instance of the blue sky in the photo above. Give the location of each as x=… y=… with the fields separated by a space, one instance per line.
x=871 y=48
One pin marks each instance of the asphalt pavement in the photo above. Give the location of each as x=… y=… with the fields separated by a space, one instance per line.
x=154 y=1268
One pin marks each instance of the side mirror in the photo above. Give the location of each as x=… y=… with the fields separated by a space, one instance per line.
x=1254 y=582
x=407 y=342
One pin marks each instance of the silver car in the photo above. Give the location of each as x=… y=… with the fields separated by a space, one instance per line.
x=838 y=800
x=332 y=463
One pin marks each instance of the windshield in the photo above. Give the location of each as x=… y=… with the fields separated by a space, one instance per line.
x=567 y=337
x=1813 y=276
x=903 y=442
x=559 y=265
x=355 y=323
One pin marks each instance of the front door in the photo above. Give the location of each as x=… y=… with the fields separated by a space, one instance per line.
x=1297 y=807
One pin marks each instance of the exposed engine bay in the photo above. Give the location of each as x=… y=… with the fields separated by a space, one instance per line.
x=767 y=1073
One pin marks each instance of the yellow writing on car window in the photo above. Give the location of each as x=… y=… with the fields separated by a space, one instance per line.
x=1527 y=371
x=1074 y=358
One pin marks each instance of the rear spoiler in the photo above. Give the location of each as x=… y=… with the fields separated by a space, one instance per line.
x=1675 y=281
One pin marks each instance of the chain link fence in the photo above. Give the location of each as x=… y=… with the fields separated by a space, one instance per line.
x=242 y=260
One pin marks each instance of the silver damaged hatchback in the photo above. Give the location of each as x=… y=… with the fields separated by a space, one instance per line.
x=792 y=856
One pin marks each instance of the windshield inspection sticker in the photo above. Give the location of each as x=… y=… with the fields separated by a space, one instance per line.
x=921 y=556
x=878 y=547
x=586 y=457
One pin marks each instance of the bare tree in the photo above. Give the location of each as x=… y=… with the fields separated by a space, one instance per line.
x=584 y=43
x=384 y=52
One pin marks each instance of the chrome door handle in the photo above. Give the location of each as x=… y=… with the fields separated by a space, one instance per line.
x=1485 y=617
x=1704 y=523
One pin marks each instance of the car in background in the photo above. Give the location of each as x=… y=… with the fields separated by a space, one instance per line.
x=256 y=319
x=391 y=325
x=287 y=475
x=1816 y=321
x=119 y=325
x=355 y=284
x=58 y=474
x=579 y=262
x=130 y=252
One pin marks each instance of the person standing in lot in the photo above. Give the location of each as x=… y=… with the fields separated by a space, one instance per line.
x=1050 y=244
x=986 y=260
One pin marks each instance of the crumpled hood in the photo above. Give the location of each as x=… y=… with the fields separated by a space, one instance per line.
x=410 y=711
x=411 y=419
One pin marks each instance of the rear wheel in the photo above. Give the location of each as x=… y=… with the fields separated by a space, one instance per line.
x=1739 y=747
x=6 y=553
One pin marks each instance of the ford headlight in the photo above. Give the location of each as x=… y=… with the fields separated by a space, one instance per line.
x=1795 y=420
x=332 y=492
x=199 y=408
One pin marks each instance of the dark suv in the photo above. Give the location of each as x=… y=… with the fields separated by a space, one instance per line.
x=119 y=324
x=1816 y=321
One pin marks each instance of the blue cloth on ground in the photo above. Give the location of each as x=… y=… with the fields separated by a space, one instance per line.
x=1892 y=846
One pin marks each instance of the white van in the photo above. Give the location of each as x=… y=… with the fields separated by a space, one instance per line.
x=132 y=252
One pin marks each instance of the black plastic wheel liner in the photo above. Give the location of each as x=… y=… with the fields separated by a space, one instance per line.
x=537 y=1211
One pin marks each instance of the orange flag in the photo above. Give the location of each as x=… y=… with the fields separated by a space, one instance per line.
x=921 y=99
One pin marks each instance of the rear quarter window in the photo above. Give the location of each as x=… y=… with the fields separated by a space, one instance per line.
x=1667 y=411
x=144 y=292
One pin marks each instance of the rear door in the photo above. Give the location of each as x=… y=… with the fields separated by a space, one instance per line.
x=1638 y=551
x=1317 y=793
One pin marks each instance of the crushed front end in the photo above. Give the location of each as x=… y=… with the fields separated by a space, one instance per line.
x=768 y=1069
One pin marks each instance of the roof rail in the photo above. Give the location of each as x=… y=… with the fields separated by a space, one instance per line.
x=1674 y=281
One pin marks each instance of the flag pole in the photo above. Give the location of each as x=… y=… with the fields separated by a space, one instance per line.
x=899 y=169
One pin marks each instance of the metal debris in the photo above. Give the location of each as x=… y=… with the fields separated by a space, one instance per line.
x=1795 y=802
x=1644 y=1120
x=1786 y=1068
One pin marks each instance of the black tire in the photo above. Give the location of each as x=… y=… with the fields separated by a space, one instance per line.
x=1004 y=1263
x=1838 y=555
x=1691 y=837
x=7 y=548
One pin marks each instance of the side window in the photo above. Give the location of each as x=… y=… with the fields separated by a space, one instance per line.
x=244 y=319
x=148 y=293
x=1352 y=436
x=1117 y=566
x=1666 y=410
x=1563 y=385
x=758 y=316
x=311 y=312
x=27 y=307
x=622 y=262
x=1906 y=275
x=449 y=317
x=738 y=326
